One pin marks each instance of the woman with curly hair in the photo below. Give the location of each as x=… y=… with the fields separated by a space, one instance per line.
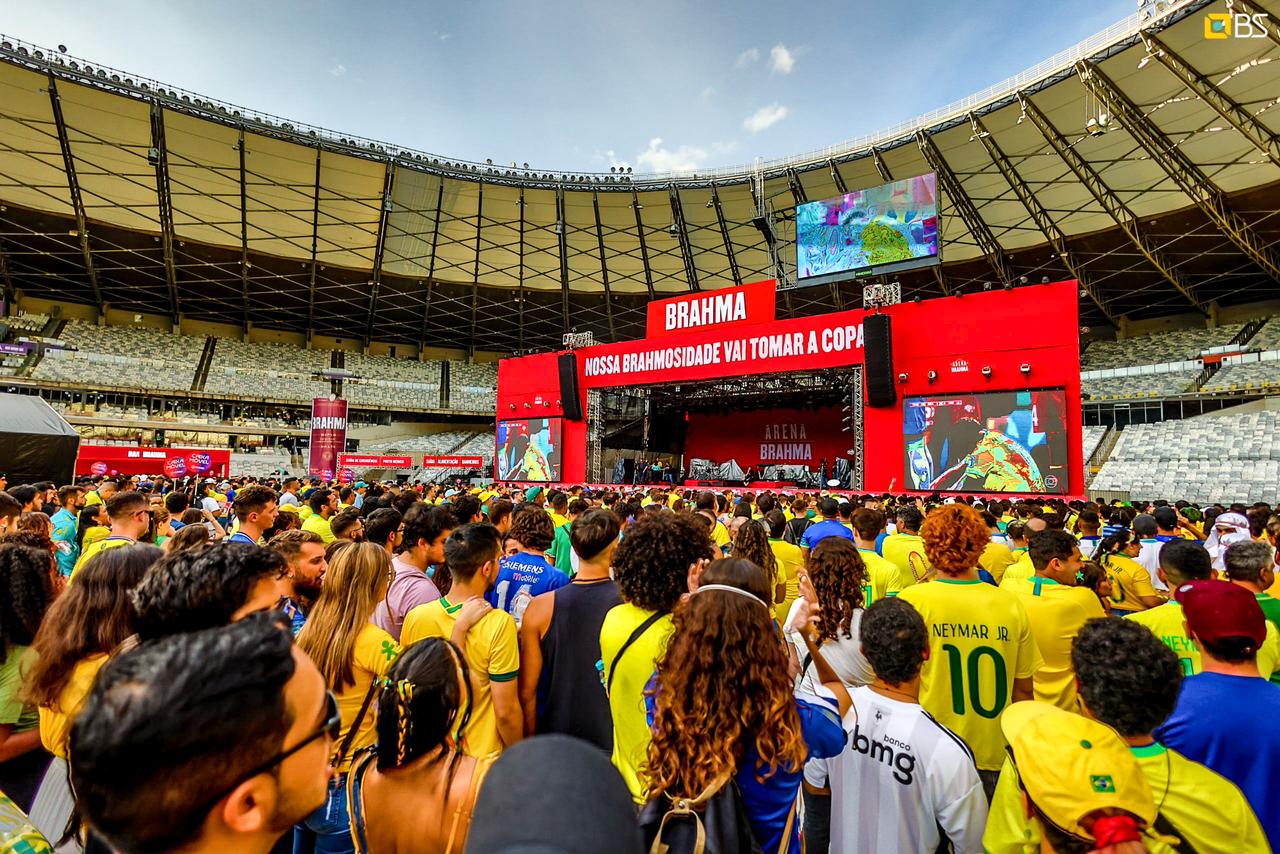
x=836 y=576
x=1131 y=587
x=981 y=652
x=652 y=567
x=750 y=542
x=27 y=592
x=724 y=708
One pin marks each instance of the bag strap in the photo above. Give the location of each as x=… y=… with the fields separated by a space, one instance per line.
x=687 y=808
x=785 y=845
x=355 y=803
x=355 y=725
x=635 y=636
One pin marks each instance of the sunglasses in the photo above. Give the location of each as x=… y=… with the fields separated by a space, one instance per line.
x=330 y=729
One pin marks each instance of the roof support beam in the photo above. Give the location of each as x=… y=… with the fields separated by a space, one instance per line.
x=757 y=201
x=881 y=166
x=10 y=293
x=1052 y=233
x=682 y=237
x=475 y=268
x=563 y=244
x=244 y=232
x=1109 y=201
x=1250 y=8
x=604 y=268
x=724 y=235
x=431 y=266
x=1232 y=113
x=520 y=294
x=797 y=187
x=644 y=247
x=837 y=177
x=73 y=188
x=315 y=246
x=165 y=200
x=379 y=246
x=964 y=206
x=1185 y=173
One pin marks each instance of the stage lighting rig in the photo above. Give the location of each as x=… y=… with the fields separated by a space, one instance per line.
x=933 y=377
x=986 y=372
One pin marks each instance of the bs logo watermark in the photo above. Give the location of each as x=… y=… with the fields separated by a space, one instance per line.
x=1238 y=25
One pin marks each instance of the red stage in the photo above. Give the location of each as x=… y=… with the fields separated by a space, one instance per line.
x=973 y=344
x=98 y=460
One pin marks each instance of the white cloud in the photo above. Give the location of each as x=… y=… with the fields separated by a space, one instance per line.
x=707 y=92
x=444 y=37
x=747 y=57
x=765 y=117
x=338 y=70
x=781 y=60
x=657 y=158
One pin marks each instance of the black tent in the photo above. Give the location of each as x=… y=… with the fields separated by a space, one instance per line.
x=36 y=443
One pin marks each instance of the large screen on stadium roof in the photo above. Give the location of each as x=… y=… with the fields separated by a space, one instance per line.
x=878 y=230
x=1002 y=441
x=530 y=449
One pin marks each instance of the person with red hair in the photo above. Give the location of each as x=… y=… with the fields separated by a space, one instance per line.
x=981 y=651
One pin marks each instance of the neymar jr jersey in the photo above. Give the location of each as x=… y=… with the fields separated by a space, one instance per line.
x=883 y=579
x=1130 y=581
x=493 y=654
x=980 y=641
x=906 y=552
x=1168 y=623
x=1057 y=613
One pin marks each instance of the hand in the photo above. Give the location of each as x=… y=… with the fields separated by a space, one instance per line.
x=806 y=589
x=473 y=610
x=206 y=514
x=805 y=619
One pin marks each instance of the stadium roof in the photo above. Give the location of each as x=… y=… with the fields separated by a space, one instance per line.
x=124 y=191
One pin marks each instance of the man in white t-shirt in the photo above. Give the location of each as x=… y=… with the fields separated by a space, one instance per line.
x=904 y=782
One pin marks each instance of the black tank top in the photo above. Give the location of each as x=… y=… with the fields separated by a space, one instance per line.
x=571 y=698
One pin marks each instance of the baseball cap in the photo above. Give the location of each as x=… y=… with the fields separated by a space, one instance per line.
x=360 y=484
x=532 y=493
x=1217 y=610
x=449 y=493
x=1072 y=766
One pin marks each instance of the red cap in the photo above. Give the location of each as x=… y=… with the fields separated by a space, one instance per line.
x=1216 y=610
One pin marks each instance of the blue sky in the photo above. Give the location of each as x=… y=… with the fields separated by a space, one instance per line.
x=577 y=85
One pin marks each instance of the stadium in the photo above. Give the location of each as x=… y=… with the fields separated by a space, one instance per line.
x=182 y=271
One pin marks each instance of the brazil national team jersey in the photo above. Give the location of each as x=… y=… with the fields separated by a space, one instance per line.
x=883 y=579
x=1169 y=624
x=1057 y=613
x=906 y=552
x=1130 y=581
x=979 y=642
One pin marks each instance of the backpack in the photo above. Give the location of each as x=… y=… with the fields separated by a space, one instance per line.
x=715 y=822
x=795 y=531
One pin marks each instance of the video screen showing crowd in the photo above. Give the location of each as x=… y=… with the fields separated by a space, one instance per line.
x=285 y=664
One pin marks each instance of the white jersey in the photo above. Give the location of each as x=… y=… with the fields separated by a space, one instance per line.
x=901 y=783
x=843 y=654
x=1149 y=557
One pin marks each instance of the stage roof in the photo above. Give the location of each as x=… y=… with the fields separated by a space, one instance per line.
x=124 y=191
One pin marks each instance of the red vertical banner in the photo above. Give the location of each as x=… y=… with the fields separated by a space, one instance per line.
x=328 y=436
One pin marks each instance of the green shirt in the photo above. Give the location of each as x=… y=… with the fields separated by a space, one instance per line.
x=1271 y=610
x=14 y=712
x=561 y=547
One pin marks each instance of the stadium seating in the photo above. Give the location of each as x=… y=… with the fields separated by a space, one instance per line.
x=27 y=324
x=473 y=387
x=1092 y=437
x=1160 y=347
x=122 y=357
x=1140 y=385
x=262 y=464
x=1211 y=458
x=432 y=443
x=1248 y=371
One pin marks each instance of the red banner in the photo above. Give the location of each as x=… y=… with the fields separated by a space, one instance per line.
x=770 y=437
x=171 y=462
x=452 y=462
x=721 y=308
x=373 y=461
x=328 y=436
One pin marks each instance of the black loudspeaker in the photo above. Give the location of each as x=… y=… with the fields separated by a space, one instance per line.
x=877 y=342
x=569 y=401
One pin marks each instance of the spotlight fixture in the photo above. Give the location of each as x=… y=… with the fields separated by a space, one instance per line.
x=1025 y=367
x=528 y=405
x=1044 y=280
x=986 y=286
x=902 y=377
x=513 y=407
x=1008 y=286
x=933 y=377
x=673 y=229
x=1022 y=280
x=986 y=371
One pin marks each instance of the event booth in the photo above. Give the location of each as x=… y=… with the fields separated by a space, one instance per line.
x=970 y=393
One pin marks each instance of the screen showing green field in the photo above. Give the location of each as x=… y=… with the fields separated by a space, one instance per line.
x=863 y=230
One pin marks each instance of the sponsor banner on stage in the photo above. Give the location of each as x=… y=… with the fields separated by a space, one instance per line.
x=172 y=462
x=373 y=461
x=725 y=307
x=769 y=437
x=328 y=436
x=455 y=462
x=799 y=344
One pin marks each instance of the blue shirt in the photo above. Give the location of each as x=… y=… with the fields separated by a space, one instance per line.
x=520 y=578
x=880 y=538
x=64 y=537
x=241 y=537
x=176 y=525
x=822 y=530
x=1227 y=723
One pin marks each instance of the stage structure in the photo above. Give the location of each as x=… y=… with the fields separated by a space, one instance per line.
x=970 y=393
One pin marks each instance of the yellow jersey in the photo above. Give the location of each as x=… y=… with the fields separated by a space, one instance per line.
x=1021 y=567
x=373 y=655
x=996 y=558
x=1168 y=623
x=906 y=552
x=720 y=535
x=1057 y=614
x=790 y=562
x=317 y=524
x=631 y=673
x=110 y=541
x=557 y=520
x=980 y=641
x=1129 y=581
x=56 y=721
x=493 y=654
x=1205 y=809
x=883 y=578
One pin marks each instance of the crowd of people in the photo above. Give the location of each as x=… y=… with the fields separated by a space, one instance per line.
x=271 y=665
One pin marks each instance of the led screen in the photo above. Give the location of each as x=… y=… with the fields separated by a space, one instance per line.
x=886 y=228
x=1005 y=441
x=529 y=449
